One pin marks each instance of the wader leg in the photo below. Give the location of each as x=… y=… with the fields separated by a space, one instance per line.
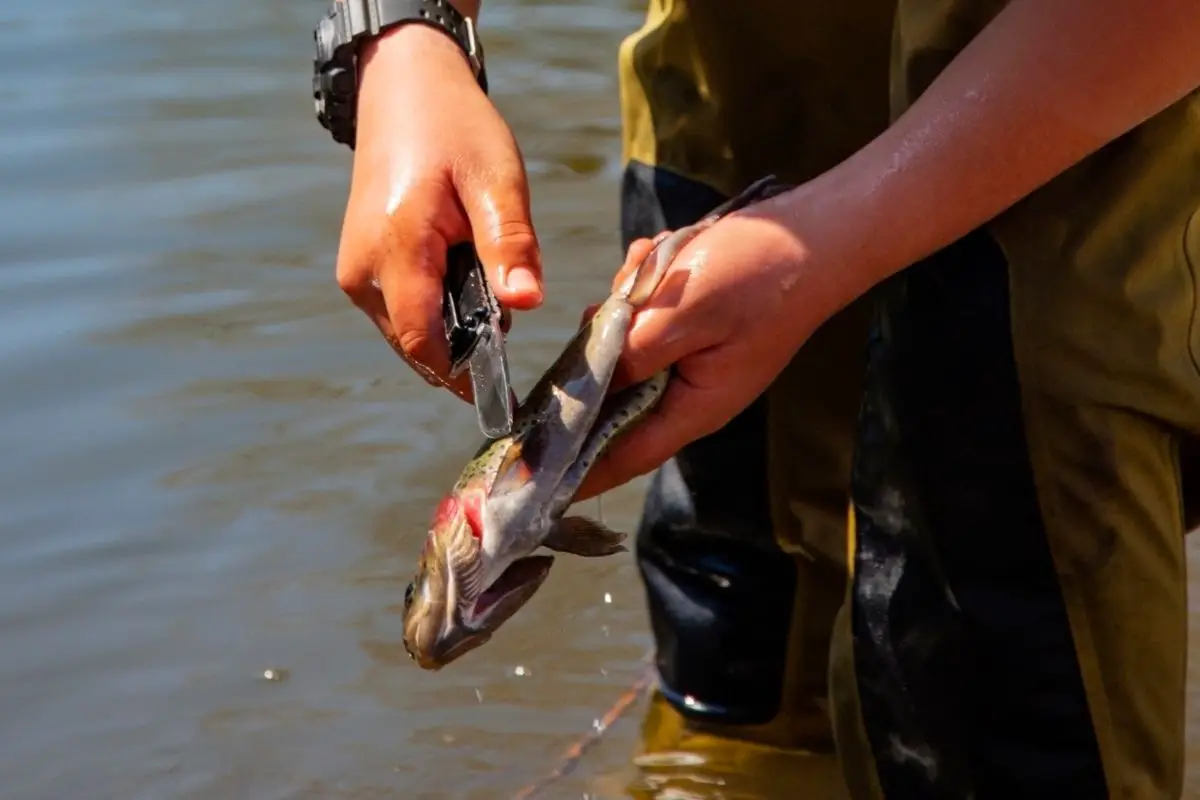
x=741 y=550
x=1017 y=603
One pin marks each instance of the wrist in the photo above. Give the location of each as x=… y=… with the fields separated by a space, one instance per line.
x=358 y=39
x=414 y=49
x=830 y=261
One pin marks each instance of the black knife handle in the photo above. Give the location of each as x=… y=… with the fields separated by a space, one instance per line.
x=467 y=303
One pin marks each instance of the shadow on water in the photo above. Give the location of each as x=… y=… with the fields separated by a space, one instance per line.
x=213 y=467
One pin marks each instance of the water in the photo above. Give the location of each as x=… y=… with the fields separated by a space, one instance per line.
x=212 y=466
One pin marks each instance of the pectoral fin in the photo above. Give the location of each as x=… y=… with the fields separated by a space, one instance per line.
x=512 y=473
x=585 y=537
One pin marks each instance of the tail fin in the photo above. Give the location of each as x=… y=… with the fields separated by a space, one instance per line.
x=646 y=277
x=762 y=189
x=640 y=285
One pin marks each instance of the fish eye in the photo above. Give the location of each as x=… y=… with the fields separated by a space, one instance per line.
x=408 y=596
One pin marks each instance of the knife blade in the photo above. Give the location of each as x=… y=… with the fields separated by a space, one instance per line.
x=474 y=329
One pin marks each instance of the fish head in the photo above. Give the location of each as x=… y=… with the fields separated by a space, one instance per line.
x=448 y=610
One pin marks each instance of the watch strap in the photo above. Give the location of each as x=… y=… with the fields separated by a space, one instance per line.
x=351 y=22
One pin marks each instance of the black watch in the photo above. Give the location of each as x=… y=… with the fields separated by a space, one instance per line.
x=351 y=22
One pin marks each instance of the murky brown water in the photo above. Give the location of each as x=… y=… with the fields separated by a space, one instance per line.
x=212 y=466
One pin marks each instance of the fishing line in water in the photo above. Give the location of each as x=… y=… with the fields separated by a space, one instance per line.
x=571 y=757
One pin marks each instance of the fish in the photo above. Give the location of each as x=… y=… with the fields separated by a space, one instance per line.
x=479 y=564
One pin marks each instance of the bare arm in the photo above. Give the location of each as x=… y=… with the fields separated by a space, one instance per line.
x=1046 y=84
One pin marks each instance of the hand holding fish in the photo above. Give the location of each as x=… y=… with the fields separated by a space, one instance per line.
x=735 y=305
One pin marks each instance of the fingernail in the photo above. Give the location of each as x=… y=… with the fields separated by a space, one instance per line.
x=522 y=279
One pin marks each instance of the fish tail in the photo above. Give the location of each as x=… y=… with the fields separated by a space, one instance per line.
x=762 y=189
x=646 y=277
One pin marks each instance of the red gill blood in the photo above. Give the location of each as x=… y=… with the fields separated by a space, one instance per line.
x=445 y=511
x=473 y=510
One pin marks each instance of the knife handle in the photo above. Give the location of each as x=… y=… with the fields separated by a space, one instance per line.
x=457 y=316
x=467 y=304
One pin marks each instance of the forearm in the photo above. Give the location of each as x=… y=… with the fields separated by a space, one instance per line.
x=1045 y=85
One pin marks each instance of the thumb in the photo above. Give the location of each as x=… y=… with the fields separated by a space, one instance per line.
x=497 y=206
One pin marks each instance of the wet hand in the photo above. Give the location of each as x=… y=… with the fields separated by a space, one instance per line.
x=434 y=165
x=735 y=305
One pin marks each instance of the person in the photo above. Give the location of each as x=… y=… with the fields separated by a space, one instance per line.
x=927 y=408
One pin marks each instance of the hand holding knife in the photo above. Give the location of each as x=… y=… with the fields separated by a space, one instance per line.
x=470 y=311
x=473 y=320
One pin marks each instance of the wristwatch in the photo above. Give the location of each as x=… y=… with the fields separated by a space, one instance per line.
x=350 y=23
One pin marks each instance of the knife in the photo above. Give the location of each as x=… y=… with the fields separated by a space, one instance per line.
x=474 y=329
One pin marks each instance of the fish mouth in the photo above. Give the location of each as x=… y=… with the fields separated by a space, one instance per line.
x=508 y=593
x=440 y=631
x=435 y=647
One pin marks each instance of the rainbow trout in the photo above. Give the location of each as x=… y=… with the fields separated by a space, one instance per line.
x=478 y=566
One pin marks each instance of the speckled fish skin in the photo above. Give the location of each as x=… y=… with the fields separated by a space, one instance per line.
x=477 y=569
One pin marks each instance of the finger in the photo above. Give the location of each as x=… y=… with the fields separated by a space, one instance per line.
x=685 y=414
x=373 y=305
x=496 y=200
x=409 y=278
x=367 y=297
x=356 y=269
x=371 y=246
x=460 y=386
x=356 y=274
x=412 y=325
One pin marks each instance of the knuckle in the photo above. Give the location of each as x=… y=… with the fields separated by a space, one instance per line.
x=516 y=231
x=412 y=346
x=498 y=191
x=413 y=342
x=637 y=368
x=516 y=238
x=353 y=278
